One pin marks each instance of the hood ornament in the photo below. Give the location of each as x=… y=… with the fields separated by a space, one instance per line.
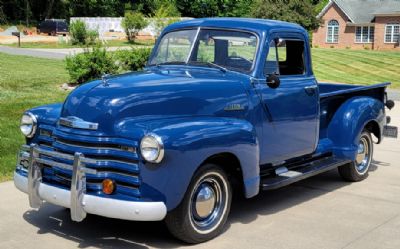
x=104 y=79
x=75 y=122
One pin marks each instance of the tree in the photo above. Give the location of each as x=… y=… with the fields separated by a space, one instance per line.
x=165 y=15
x=300 y=12
x=3 y=17
x=133 y=22
x=96 y=8
x=210 y=8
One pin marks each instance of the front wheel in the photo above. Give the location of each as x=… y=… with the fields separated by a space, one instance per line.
x=358 y=169
x=205 y=207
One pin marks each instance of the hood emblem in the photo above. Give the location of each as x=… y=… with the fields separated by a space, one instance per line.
x=75 y=122
x=234 y=107
x=104 y=79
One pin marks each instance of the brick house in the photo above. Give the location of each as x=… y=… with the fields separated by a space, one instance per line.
x=372 y=24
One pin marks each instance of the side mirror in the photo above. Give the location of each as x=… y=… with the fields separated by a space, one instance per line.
x=273 y=81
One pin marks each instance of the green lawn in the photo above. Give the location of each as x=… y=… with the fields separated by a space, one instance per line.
x=26 y=82
x=356 y=66
x=110 y=43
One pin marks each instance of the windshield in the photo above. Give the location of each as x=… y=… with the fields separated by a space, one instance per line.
x=232 y=50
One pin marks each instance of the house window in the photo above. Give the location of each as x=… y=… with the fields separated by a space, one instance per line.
x=332 y=35
x=392 y=33
x=365 y=34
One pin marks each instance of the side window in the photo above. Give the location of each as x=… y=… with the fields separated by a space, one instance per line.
x=271 y=64
x=288 y=55
x=206 y=52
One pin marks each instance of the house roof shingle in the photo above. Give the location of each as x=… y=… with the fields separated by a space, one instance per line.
x=364 y=11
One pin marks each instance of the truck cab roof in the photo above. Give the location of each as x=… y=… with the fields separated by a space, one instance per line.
x=251 y=24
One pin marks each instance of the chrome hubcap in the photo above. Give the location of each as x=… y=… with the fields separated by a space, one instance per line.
x=363 y=157
x=208 y=203
x=205 y=201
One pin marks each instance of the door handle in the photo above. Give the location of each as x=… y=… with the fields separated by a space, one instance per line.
x=310 y=90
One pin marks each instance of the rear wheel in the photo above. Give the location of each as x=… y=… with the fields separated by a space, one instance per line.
x=358 y=169
x=204 y=210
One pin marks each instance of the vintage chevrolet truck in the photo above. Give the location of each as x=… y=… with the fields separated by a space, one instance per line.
x=223 y=105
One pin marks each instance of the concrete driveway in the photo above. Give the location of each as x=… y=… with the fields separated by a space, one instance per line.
x=322 y=212
x=51 y=53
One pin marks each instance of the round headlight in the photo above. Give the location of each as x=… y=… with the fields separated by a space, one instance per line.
x=28 y=124
x=152 y=148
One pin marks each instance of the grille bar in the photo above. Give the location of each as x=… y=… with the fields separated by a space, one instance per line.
x=63 y=165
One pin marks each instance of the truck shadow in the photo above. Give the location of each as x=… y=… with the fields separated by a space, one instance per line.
x=101 y=232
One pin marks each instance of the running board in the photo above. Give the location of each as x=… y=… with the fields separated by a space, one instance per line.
x=285 y=177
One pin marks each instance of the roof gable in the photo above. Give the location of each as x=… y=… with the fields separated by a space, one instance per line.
x=364 y=11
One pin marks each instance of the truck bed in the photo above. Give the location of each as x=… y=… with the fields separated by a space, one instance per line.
x=334 y=89
x=332 y=96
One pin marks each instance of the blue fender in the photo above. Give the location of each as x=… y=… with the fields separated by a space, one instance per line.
x=188 y=142
x=47 y=114
x=349 y=121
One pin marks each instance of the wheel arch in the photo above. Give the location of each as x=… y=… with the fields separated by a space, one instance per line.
x=351 y=118
x=230 y=163
x=373 y=127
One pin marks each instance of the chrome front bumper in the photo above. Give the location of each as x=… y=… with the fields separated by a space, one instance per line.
x=76 y=198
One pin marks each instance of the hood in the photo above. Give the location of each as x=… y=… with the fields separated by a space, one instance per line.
x=156 y=94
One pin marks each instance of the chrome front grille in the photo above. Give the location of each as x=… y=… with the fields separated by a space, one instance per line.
x=104 y=158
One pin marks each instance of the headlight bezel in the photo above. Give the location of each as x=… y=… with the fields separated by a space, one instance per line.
x=160 y=148
x=34 y=124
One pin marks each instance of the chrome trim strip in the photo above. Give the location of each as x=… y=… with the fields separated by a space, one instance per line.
x=78 y=123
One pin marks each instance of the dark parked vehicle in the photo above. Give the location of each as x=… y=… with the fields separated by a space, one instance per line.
x=53 y=27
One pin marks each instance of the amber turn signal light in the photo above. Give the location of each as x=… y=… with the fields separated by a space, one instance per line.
x=108 y=186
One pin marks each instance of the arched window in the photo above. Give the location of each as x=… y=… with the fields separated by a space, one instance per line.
x=332 y=34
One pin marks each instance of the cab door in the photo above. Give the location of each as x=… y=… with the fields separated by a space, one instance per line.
x=289 y=96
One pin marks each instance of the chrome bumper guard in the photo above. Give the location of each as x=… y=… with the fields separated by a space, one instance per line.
x=102 y=206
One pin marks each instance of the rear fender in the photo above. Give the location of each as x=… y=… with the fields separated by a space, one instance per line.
x=189 y=142
x=349 y=121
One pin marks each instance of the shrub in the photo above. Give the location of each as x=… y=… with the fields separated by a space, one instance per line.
x=92 y=36
x=95 y=62
x=133 y=22
x=132 y=60
x=90 y=64
x=78 y=32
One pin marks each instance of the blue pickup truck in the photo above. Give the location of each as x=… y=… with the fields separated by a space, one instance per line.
x=223 y=105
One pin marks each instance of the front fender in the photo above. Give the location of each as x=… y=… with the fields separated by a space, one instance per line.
x=47 y=114
x=349 y=121
x=189 y=142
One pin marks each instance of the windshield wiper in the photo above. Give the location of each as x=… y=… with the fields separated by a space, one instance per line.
x=210 y=64
x=168 y=63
